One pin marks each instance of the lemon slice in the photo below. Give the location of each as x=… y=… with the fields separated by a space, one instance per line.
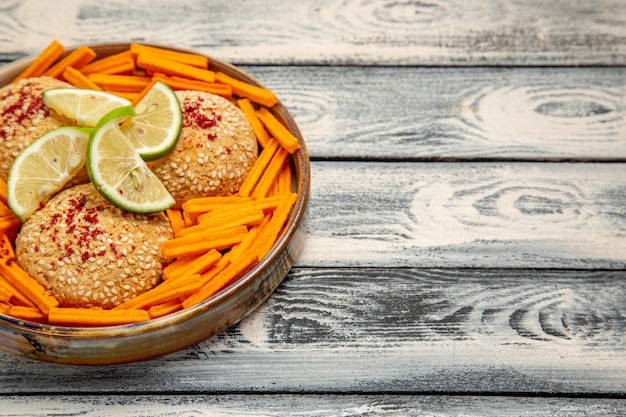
x=85 y=106
x=44 y=167
x=119 y=173
x=155 y=128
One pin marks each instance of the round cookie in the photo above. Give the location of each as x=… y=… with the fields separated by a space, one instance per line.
x=215 y=152
x=24 y=117
x=89 y=253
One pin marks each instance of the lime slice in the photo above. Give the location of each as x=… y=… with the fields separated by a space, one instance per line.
x=81 y=104
x=44 y=167
x=121 y=113
x=118 y=172
x=155 y=128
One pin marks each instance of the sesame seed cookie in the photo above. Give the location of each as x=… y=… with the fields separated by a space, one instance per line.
x=24 y=117
x=89 y=253
x=215 y=152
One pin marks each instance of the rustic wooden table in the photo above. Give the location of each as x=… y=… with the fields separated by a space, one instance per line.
x=466 y=250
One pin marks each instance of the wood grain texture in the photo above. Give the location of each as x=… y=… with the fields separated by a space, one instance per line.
x=483 y=215
x=455 y=113
x=409 y=331
x=432 y=32
x=307 y=406
x=466 y=247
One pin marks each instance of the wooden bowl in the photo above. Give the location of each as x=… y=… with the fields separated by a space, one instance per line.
x=176 y=331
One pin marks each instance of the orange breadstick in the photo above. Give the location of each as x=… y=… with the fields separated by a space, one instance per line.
x=178 y=83
x=6 y=248
x=259 y=130
x=183 y=57
x=176 y=220
x=78 y=79
x=65 y=316
x=144 y=90
x=270 y=174
x=203 y=236
x=172 y=268
x=156 y=63
x=285 y=180
x=189 y=220
x=235 y=269
x=128 y=95
x=257 y=169
x=27 y=285
x=216 y=269
x=9 y=224
x=243 y=89
x=232 y=266
x=247 y=218
x=162 y=309
x=120 y=63
x=5 y=295
x=215 y=200
x=196 y=207
x=197 y=266
x=163 y=293
x=75 y=59
x=45 y=59
x=190 y=211
x=278 y=131
x=122 y=67
x=8 y=255
x=122 y=83
x=269 y=234
x=198 y=248
x=5 y=210
x=28 y=313
x=221 y=219
x=176 y=247
x=3 y=191
x=18 y=296
x=4 y=308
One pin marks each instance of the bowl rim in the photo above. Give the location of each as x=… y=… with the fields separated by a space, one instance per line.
x=297 y=216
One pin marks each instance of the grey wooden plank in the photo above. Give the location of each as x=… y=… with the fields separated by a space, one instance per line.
x=404 y=331
x=456 y=113
x=434 y=32
x=309 y=406
x=483 y=215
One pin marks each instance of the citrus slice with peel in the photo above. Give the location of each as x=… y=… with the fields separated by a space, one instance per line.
x=85 y=106
x=119 y=173
x=155 y=128
x=44 y=167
